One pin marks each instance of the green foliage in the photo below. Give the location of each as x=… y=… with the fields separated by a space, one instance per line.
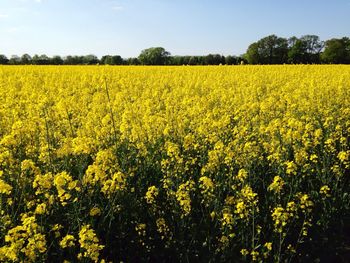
x=337 y=51
x=268 y=50
x=154 y=56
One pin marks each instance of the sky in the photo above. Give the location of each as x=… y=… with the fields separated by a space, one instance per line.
x=182 y=27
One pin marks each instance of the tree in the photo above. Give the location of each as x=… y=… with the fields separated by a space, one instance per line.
x=26 y=59
x=132 y=61
x=230 y=60
x=252 y=55
x=313 y=48
x=268 y=50
x=15 y=60
x=298 y=52
x=313 y=44
x=73 y=60
x=40 y=60
x=90 y=60
x=112 y=60
x=154 y=56
x=56 y=60
x=306 y=49
x=3 y=60
x=193 y=60
x=337 y=51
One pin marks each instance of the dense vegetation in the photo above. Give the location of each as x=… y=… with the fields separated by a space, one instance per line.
x=308 y=49
x=175 y=164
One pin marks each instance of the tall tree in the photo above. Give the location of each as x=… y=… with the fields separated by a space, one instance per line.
x=3 y=60
x=297 y=52
x=313 y=48
x=26 y=59
x=230 y=60
x=337 y=51
x=90 y=60
x=15 y=60
x=154 y=56
x=112 y=60
x=268 y=50
x=56 y=60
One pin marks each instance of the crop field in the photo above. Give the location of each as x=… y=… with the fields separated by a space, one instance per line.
x=175 y=164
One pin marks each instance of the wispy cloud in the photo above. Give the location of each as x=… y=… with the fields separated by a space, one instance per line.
x=4 y=16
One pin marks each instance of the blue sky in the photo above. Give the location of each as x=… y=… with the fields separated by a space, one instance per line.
x=183 y=27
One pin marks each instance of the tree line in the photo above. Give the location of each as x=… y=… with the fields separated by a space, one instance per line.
x=308 y=49
x=150 y=56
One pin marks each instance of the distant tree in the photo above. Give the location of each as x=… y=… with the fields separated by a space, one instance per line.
x=73 y=60
x=90 y=60
x=132 y=61
x=209 y=59
x=36 y=59
x=298 y=52
x=44 y=59
x=193 y=60
x=26 y=59
x=105 y=59
x=112 y=60
x=175 y=60
x=3 y=60
x=252 y=55
x=314 y=47
x=337 y=51
x=291 y=41
x=40 y=60
x=186 y=60
x=241 y=60
x=154 y=56
x=268 y=50
x=56 y=60
x=230 y=60
x=15 y=60
x=217 y=59
x=201 y=60
x=117 y=60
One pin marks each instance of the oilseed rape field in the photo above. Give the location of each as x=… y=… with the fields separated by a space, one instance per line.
x=175 y=164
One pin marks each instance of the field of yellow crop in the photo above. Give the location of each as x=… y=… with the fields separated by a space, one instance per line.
x=174 y=164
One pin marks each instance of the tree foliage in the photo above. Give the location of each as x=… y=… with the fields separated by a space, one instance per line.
x=307 y=49
x=268 y=50
x=154 y=56
x=337 y=51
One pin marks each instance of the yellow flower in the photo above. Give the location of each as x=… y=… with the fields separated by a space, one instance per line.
x=89 y=243
x=151 y=194
x=255 y=255
x=95 y=211
x=67 y=241
x=64 y=185
x=242 y=175
x=291 y=168
x=41 y=209
x=305 y=203
x=268 y=246
x=276 y=185
x=5 y=188
x=244 y=252
x=183 y=197
x=162 y=228
x=227 y=219
x=141 y=229
x=324 y=191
